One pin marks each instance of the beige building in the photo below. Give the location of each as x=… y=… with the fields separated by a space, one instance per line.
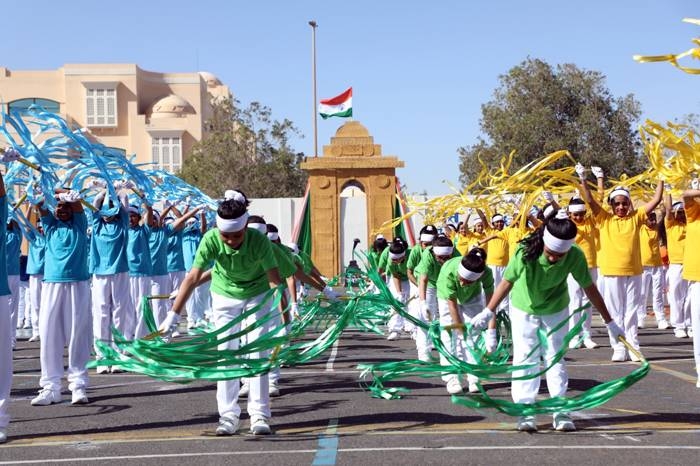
x=157 y=116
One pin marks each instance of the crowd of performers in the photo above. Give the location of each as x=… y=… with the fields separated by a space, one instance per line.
x=89 y=271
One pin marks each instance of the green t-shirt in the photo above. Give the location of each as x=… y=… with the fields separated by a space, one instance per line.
x=414 y=259
x=429 y=266
x=398 y=269
x=304 y=261
x=449 y=286
x=539 y=287
x=383 y=261
x=238 y=273
x=285 y=260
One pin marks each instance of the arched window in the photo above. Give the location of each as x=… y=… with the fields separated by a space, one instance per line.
x=22 y=105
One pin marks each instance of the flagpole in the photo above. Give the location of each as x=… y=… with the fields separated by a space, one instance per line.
x=313 y=80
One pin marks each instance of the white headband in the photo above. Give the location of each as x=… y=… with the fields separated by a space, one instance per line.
x=231 y=225
x=443 y=250
x=677 y=206
x=294 y=247
x=555 y=244
x=426 y=238
x=467 y=274
x=477 y=221
x=273 y=235
x=619 y=192
x=232 y=194
x=133 y=210
x=497 y=218
x=575 y=208
x=548 y=211
x=398 y=256
x=261 y=227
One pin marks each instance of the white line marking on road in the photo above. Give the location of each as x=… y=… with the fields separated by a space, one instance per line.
x=331 y=358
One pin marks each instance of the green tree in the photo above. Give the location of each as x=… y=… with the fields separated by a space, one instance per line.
x=537 y=109
x=244 y=148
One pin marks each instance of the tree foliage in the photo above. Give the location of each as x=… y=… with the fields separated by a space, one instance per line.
x=244 y=148
x=538 y=109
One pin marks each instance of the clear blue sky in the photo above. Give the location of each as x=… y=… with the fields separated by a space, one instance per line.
x=420 y=70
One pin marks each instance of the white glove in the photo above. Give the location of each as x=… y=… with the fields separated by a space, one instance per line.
x=425 y=310
x=10 y=155
x=533 y=211
x=576 y=195
x=70 y=196
x=580 y=171
x=548 y=196
x=173 y=295
x=597 y=172
x=96 y=183
x=294 y=310
x=169 y=324
x=330 y=294
x=491 y=340
x=614 y=330
x=695 y=184
x=482 y=319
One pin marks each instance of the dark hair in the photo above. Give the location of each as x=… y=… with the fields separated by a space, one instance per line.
x=576 y=201
x=441 y=241
x=256 y=219
x=475 y=260
x=379 y=244
x=429 y=230
x=533 y=244
x=230 y=209
x=272 y=228
x=398 y=245
x=551 y=215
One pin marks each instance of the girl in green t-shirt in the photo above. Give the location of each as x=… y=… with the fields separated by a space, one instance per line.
x=427 y=234
x=397 y=258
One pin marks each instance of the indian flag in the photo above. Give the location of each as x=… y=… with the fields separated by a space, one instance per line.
x=338 y=106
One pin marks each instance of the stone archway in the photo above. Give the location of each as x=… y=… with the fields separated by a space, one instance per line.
x=351 y=157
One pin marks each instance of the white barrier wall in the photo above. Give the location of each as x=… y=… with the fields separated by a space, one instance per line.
x=281 y=212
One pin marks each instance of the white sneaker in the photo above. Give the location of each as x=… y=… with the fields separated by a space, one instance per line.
x=46 y=397
x=453 y=386
x=79 y=397
x=690 y=333
x=563 y=423
x=663 y=324
x=259 y=425
x=116 y=370
x=634 y=357
x=176 y=333
x=473 y=387
x=27 y=324
x=245 y=389
x=641 y=322
x=102 y=369
x=619 y=355
x=575 y=343
x=34 y=338
x=697 y=384
x=228 y=425
x=589 y=343
x=680 y=333
x=273 y=389
x=393 y=336
x=3 y=436
x=527 y=424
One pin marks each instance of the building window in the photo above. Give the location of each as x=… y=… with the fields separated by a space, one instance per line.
x=22 y=105
x=101 y=106
x=166 y=153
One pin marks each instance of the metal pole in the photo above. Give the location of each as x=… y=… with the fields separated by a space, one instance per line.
x=313 y=80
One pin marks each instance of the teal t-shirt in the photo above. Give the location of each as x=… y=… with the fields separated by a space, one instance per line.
x=191 y=237
x=539 y=287
x=176 y=257
x=66 y=249
x=138 y=251
x=450 y=287
x=35 y=259
x=158 y=245
x=13 y=239
x=108 y=244
x=4 y=287
x=237 y=273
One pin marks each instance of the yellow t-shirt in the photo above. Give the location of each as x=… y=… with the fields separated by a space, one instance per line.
x=498 y=248
x=513 y=235
x=691 y=259
x=463 y=242
x=675 y=240
x=649 y=244
x=588 y=239
x=619 y=243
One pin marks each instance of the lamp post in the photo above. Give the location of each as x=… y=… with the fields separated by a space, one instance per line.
x=313 y=80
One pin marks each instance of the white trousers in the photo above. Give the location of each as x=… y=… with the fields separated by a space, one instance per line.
x=139 y=287
x=35 y=283
x=621 y=295
x=454 y=340
x=578 y=298
x=65 y=319
x=498 y=271
x=694 y=298
x=225 y=310
x=5 y=360
x=160 y=285
x=176 y=279
x=423 y=345
x=198 y=303
x=24 y=311
x=111 y=306
x=652 y=280
x=677 y=294
x=13 y=303
x=396 y=321
x=524 y=332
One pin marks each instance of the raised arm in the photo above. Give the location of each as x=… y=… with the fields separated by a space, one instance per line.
x=658 y=195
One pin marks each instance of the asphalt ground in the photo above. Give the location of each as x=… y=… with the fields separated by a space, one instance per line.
x=325 y=417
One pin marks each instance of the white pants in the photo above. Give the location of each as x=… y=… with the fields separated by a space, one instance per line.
x=694 y=298
x=13 y=303
x=5 y=360
x=24 y=311
x=35 y=300
x=677 y=294
x=65 y=318
x=621 y=296
x=454 y=340
x=160 y=285
x=198 y=303
x=176 y=279
x=111 y=306
x=423 y=345
x=498 y=271
x=139 y=287
x=577 y=299
x=652 y=280
x=225 y=310
x=524 y=333
x=396 y=321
